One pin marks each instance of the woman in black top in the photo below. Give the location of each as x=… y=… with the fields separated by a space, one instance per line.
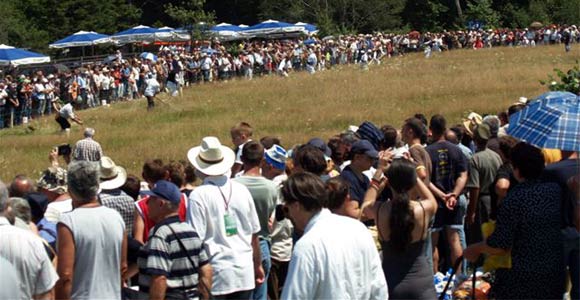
x=528 y=224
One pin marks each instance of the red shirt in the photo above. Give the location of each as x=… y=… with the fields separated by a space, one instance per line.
x=143 y=210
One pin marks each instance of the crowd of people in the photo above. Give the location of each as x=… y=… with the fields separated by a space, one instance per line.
x=370 y=213
x=24 y=97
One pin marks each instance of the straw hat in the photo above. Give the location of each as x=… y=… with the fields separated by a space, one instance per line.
x=472 y=121
x=111 y=175
x=211 y=157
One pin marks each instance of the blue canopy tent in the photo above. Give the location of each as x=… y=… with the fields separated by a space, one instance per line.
x=311 y=29
x=10 y=56
x=81 y=39
x=226 y=31
x=137 y=34
x=273 y=29
x=168 y=34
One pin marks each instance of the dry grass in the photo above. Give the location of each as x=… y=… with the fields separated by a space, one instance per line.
x=298 y=107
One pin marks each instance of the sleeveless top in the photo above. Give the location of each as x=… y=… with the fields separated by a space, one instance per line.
x=408 y=273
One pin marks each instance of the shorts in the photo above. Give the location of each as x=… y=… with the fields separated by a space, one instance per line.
x=446 y=218
x=64 y=123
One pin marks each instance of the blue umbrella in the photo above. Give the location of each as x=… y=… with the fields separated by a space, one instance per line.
x=309 y=42
x=148 y=55
x=551 y=121
x=311 y=29
x=271 y=28
x=80 y=39
x=136 y=34
x=10 y=56
x=225 y=27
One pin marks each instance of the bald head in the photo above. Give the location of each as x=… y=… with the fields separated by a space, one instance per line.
x=451 y=137
x=21 y=186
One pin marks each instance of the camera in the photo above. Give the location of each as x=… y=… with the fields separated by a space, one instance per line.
x=64 y=150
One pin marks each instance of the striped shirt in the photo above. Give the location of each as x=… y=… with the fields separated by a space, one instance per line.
x=87 y=149
x=162 y=255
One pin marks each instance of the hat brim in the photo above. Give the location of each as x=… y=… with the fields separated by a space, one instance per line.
x=372 y=154
x=116 y=182
x=215 y=169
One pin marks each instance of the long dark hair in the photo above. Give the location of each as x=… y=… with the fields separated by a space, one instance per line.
x=402 y=177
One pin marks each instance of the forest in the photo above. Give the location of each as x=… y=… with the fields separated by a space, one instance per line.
x=34 y=24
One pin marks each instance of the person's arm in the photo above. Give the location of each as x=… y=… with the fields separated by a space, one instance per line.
x=77 y=120
x=205 y=281
x=65 y=267
x=257 y=255
x=138 y=227
x=427 y=198
x=378 y=183
x=158 y=287
x=501 y=189
x=451 y=199
x=472 y=207
x=124 y=264
x=473 y=252
x=49 y=295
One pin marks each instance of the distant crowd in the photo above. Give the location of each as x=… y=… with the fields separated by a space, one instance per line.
x=24 y=97
x=372 y=212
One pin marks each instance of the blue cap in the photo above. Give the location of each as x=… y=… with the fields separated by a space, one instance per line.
x=165 y=190
x=320 y=144
x=364 y=147
x=276 y=156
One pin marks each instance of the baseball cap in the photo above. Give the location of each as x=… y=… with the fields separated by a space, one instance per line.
x=276 y=156
x=165 y=190
x=364 y=146
x=320 y=144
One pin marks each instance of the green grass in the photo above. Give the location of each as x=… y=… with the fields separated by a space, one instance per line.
x=299 y=107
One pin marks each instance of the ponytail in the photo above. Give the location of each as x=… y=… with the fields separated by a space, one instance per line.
x=401 y=222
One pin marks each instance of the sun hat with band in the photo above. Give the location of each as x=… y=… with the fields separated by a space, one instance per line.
x=211 y=157
x=111 y=175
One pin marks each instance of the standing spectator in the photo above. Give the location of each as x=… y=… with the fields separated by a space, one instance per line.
x=265 y=195
x=363 y=156
x=173 y=261
x=241 y=133
x=224 y=215
x=152 y=88
x=25 y=251
x=322 y=261
x=528 y=225
x=92 y=243
x=87 y=148
x=112 y=178
x=448 y=179
x=483 y=167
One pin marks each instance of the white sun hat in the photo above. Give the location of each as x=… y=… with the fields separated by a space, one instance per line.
x=211 y=157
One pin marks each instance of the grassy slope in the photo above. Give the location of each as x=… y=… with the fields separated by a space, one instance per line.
x=298 y=107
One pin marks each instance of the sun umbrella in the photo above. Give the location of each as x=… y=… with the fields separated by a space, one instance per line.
x=226 y=31
x=551 y=121
x=136 y=34
x=149 y=56
x=10 y=56
x=273 y=28
x=536 y=25
x=168 y=34
x=80 y=39
x=308 y=27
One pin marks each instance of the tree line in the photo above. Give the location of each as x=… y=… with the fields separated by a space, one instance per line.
x=36 y=23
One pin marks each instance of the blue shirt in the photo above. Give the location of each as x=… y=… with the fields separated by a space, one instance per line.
x=358 y=185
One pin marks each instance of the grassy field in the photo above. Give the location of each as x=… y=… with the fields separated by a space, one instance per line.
x=299 y=107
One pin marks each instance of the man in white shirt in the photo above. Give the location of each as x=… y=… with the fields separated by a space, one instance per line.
x=65 y=113
x=25 y=251
x=336 y=257
x=223 y=214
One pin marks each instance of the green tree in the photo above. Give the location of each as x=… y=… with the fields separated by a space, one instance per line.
x=190 y=14
x=482 y=10
x=19 y=31
x=426 y=15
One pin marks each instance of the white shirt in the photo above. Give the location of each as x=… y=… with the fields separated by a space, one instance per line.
x=336 y=258
x=67 y=111
x=26 y=253
x=230 y=256
x=56 y=208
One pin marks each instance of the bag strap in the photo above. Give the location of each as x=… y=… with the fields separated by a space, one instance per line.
x=199 y=281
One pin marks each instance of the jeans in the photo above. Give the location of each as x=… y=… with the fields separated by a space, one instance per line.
x=261 y=291
x=41 y=106
x=3 y=111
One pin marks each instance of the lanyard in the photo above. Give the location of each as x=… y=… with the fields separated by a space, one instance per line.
x=226 y=201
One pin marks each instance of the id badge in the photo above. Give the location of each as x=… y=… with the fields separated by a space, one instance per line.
x=230 y=224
